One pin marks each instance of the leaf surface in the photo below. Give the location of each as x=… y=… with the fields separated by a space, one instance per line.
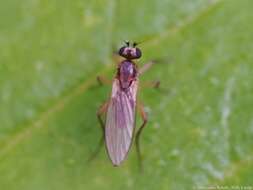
x=200 y=126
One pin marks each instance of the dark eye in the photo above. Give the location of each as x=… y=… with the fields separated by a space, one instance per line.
x=138 y=53
x=121 y=50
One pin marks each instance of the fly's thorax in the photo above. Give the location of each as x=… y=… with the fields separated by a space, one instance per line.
x=126 y=73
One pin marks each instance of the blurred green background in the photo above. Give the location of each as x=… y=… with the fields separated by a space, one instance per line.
x=200 y=130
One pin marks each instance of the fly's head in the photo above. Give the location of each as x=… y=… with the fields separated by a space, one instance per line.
x=129 y=51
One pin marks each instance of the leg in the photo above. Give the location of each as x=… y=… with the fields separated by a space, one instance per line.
x=137 y=137
x=103 y=80
x=100 y=112
x=146 y=67
x=154 y=84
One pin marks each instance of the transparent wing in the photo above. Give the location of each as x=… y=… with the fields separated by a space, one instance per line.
x=120 y=121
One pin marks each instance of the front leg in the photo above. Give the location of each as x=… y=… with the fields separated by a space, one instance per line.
x=146 y=67
x=143 y=69
x=149 y=64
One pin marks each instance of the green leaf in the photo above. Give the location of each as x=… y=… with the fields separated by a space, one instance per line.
x=200 y=126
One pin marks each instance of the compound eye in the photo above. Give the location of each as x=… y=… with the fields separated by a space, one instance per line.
x=138 y=53
x=130 y=53
x=121 y=51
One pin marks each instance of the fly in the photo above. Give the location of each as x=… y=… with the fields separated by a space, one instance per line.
x=120 y=110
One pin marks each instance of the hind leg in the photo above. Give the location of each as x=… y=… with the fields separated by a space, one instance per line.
x=139 y=132
x=102 y=110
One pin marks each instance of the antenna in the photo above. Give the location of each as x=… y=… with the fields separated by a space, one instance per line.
x=127 y=43
x=135 y=44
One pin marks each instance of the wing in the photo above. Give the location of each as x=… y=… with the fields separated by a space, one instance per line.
x=120 y=121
